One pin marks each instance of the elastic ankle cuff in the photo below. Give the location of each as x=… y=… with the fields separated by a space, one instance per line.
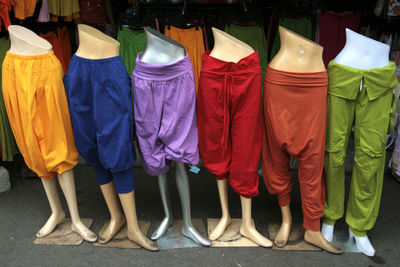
x=328 y=221
x=358 y=232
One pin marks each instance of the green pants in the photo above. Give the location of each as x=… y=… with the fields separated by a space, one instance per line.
x=371 y=121
x=131 y=43
x=8 y=145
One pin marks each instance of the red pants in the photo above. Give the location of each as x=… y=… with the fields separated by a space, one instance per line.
x=229 y=120
x=294 y=113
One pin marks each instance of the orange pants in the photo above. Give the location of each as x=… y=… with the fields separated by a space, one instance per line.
x=294 y=117
x=192 y=40
x=23 y=8
x=37 y=108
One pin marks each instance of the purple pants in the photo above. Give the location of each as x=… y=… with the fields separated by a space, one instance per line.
x=165 y=114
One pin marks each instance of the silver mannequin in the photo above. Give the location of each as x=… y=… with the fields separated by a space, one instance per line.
x=162 y=50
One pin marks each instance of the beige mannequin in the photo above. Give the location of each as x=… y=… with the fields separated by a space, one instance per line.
x=230 y=49
x=93 y=44
x=298 y=54
x=26 y=42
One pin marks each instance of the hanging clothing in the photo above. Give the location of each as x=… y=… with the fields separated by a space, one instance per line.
x=61 y=8
x=229 y=120
x=131 y=43
x=61 y=45
x=294 y=117
x=331 y=32
x=254 y=36
x=37 y=108
x=192 y=40
x=99 y=98
x=23 y=8
x=44 y=15
x=5 y=9
x=363 y=99
x=165 y=114
x=7 y=141
x=302 y=26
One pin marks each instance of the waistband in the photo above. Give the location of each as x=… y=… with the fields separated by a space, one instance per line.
x=96 y=61
x=176 y=29
x=310 y=79
x=162 y=72
x=131 y=35
x=32 y=63
x=246 y=65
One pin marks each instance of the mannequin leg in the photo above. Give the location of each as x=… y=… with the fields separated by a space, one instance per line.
x=286 y=226
x=67 y=184
x=183 y=189
x=166 y=202
x=134 y=232
x=117 y=218
x=226 y=217
x=247 y=229
x=57 y=212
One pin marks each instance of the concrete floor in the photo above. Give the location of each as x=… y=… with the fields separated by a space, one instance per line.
x=24 y=209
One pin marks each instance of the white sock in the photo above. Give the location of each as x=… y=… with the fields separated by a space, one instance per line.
x=327 y=231
x=363 y=244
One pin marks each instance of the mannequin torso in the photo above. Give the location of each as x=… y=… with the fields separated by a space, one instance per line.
x=93 y=44
x=160 y=49
x=361 y=52
x=228 y=48
x=26 y=42
x=297 y=54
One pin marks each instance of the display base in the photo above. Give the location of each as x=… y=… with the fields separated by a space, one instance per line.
x=296 y=238
x=121 y=240
x=63 y=235
x=231 y=237
x=174 y=238
x=341 y=238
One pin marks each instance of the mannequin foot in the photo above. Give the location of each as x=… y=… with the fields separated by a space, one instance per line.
x=112 y=229
x=316 y=239
x=51 y=224
x=327 y=231
x=363 y=244
x=84 y=232
x=220 y=228
x=252 y=234
x=143 y=241
x=283 y=235
x=162 y=229
x=191 y=232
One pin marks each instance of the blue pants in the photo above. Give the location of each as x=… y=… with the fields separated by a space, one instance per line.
x=99 y=99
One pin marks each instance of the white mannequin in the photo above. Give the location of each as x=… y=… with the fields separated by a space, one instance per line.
x=360 y=52
x=26 y=42
x=163 y=50
x=230 y=49
x=93 y=44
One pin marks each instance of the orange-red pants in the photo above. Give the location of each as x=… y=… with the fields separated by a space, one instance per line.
x=294 y=119
x=192 y=40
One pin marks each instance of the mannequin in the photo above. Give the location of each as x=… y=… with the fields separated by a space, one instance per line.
x=162 y=50
x=26 y=42
x=368 y=58
x=300 y=56
x=229 y=49
x=94 y=44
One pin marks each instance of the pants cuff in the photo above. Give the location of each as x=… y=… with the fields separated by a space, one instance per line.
x=329 y=221
x=123 y=181
x=284 y=199
x=250 y=195
x=103 y=176
x=222 y=176
x=312 y=224
x=358 y=233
